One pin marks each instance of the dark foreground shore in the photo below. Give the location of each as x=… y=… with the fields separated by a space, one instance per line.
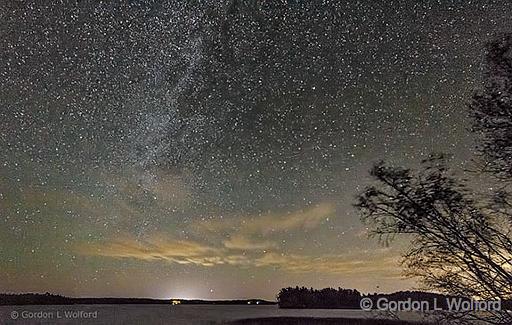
x=319 y=321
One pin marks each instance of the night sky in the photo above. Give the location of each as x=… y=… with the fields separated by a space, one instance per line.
x=213 y=149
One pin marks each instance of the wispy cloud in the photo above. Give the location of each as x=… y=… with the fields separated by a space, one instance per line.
x=337 y=264
x=272 y=222
x=177 y=251
x=257 y=232
x=195 y=253
x=247 y=241
x=240 y=242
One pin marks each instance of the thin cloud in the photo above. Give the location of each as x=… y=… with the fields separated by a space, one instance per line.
x=327 y=263
x=195 y=253
x=270 y=223
x=243 y=243
x=180 y=252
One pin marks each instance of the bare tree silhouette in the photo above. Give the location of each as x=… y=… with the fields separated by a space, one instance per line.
x=461 y=241
x=457 y=246
x=491 y=110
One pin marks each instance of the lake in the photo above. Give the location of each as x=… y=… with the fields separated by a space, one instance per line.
x=164 y=314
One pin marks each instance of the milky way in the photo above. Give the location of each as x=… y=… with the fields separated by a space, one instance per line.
x=213 y=149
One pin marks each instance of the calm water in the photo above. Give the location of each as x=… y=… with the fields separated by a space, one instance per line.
x=159 y=314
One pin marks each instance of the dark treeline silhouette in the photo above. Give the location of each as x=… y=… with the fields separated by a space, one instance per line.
x=302 y=297
x=51 y=299
x=313 y=298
